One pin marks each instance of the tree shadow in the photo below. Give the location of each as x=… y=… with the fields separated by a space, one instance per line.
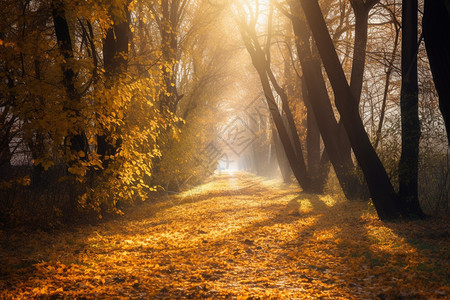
x=356 y=250
x=331 y=244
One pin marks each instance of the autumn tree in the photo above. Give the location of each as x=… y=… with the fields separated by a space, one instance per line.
x=197 y=75
x=169 y=16
x=287 y=131
x=333 y=135
x=383 y=195
x=115 y=63
x=64 y=90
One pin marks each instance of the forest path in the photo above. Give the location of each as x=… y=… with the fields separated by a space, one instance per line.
x=236 y=236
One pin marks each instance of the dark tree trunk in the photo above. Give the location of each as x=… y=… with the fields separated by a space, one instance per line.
x=37 y=145
x=361 y=10
x=169 y=25
x=318 y=164
x=5 y=139
x=312 y=145
x=333 y=137
x=436 y=33
x=317 y=172
x=115 y=60
x=77 y=141
x=7 y=120
x=409 y=104
x=297 y=164
x=386 y=201
x=295 y=158
x=288 y=118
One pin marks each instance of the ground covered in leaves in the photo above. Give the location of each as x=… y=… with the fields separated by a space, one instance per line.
x=238 y=237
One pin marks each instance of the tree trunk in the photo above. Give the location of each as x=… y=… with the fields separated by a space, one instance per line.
x=115 y=60
x=5 y=139
x=288 y=118
x=169 y=26
x=409 y=104
x=318 y=164
x=77 y=141
x=333 y=137
x=386 y=201
x=295 y=158
x=436 y=33
x=298 y=165
x=361 y=10
x=312 y=145
x=7 y=120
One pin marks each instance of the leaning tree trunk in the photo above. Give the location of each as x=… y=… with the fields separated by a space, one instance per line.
x=295 y=158
x=297 y=164
x=361 y=9
x=333 y=137
x=386 y=201
x=409 y=105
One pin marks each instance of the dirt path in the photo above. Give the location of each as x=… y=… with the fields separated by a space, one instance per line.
x=237 y=236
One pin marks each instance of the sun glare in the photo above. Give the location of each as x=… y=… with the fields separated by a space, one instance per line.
x=254 y=10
